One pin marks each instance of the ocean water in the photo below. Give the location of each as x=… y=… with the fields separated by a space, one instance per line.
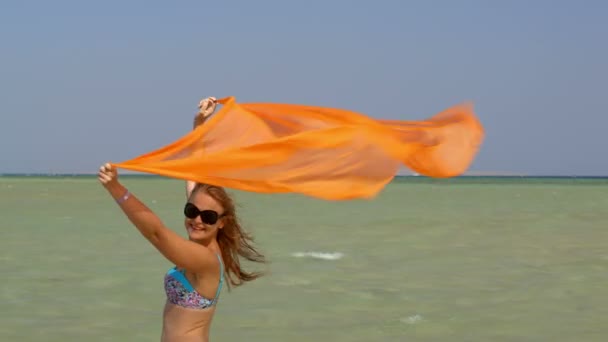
x=465 y=259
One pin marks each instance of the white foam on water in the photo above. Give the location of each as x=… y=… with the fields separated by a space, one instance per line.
x=318 y=255
x=412 y=319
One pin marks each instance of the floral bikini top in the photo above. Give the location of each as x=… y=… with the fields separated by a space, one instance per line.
x=180 y=292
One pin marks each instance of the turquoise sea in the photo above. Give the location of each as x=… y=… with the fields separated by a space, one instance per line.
x=463 y=259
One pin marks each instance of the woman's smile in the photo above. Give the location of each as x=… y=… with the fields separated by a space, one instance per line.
x=192 y=227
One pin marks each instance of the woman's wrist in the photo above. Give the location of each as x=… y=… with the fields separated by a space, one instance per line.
x=124 y=197
x=118 y=192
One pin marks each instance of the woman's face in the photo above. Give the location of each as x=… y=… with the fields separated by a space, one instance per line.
x=204 y=216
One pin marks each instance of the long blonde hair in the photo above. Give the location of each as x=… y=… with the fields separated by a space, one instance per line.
x=234 y=242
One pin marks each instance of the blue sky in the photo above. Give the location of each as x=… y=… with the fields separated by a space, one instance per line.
x=83 y=82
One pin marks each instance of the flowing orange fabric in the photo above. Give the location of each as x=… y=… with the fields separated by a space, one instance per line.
x=321 y=152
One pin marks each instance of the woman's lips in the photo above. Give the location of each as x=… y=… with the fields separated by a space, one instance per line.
x=196 y=228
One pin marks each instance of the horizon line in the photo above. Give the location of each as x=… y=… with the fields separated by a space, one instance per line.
x=473 y=174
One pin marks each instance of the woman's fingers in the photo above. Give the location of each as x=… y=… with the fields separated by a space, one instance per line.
x=207 y=106
x=106 y=173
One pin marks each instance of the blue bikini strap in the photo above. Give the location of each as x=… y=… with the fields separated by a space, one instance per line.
x=219 y=287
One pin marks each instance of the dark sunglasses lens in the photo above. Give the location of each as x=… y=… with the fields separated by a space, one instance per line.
x=209 y=217
x=191 y=211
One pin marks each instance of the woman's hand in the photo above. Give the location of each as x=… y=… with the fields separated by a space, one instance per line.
x=207 y=106
x=107 y=175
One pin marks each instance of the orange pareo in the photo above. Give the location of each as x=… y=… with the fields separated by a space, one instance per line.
x=326 y=153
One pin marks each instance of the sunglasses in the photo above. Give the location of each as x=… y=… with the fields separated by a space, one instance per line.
x=207 y=216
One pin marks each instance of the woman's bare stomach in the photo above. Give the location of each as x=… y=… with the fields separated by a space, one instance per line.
x=184 y=324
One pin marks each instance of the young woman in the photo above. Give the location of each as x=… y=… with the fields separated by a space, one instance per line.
x=203 y=262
